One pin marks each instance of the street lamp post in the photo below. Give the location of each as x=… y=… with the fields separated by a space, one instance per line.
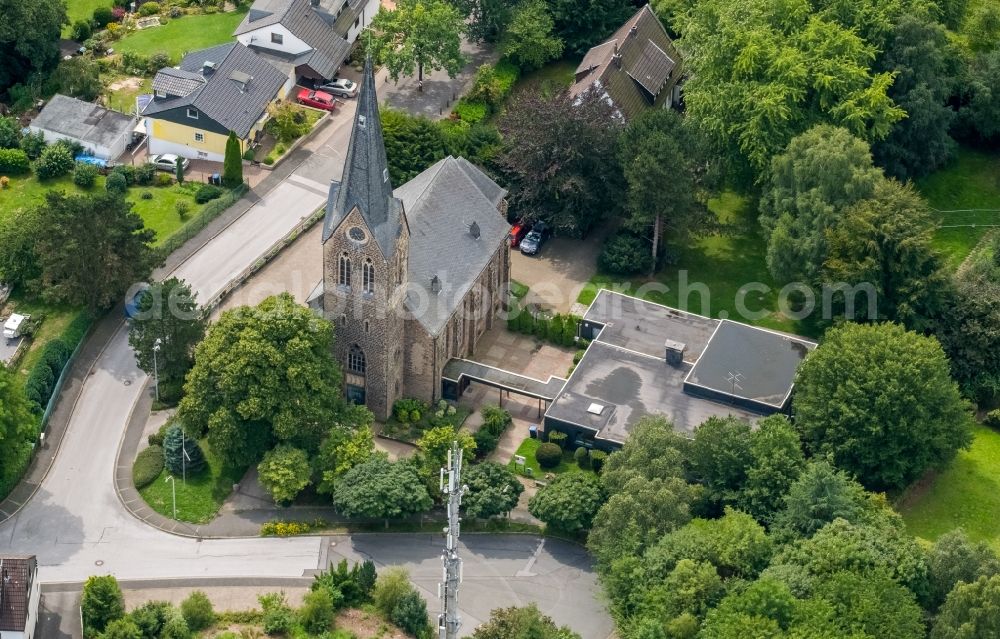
x=156 y=370
x=173 y=491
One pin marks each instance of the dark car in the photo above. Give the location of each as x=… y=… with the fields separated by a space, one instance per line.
x=532 y=242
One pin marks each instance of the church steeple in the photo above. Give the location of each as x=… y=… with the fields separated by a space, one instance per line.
x=365 y=183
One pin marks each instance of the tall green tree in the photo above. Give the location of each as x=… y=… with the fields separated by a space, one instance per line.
x=979 y=110
x=763 y=72
x=822 y=173
x=560 y=160
x=569 y=503
x=776 y=462
x=78 y=77
x=528 y=40
x=17 y=427
x=954 y=558
x=925 y=66
x=170 y=323
x=418 y=34
x=232 y=166
x=488 y=19
x=263 y=374
x=380 y=489
x=101 y=603
x=886 y=241
x=582 y=24
x=92 y=248
x=412 y=143
x=718 y=459
x=970 y=612
x=521 y=623
x=29 y=39
x=347 y=445
x=179 y=170
x=880 y=400
x=660 y=155
x=820 y=495
x=493 y=490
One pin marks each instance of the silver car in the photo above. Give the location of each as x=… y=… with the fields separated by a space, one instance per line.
x=168 y=162
x=340 y=87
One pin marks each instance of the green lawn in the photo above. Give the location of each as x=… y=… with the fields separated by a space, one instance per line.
x=527 y=450
x=200 y=498
x=81 y=10
x=971 y=181
x=158 y=213
x=123 y=99
x=723 y=261
x=56 y=318
x=181 y=35
x=966 y=495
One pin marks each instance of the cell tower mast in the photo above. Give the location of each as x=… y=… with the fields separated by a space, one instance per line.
x=451 y=485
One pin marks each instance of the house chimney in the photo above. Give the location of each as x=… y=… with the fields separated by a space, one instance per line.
x=633 y=31
x=617 y=59
x=435 y=285
x=474 y=230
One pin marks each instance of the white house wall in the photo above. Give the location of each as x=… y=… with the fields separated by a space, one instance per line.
x=103 y=152
x=366 y=19
x=158 y=147
x=262 y=38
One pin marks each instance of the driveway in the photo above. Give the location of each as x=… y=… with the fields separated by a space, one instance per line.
x=560 y=270
x=8 y=347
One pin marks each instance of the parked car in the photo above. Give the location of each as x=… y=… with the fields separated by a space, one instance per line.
x=13 y=326
x=532 y=242
x=317 y=99
x=168 y=162
x=517 y=233
x=340 y=86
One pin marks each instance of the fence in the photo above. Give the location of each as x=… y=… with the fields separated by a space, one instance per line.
x=63 y=375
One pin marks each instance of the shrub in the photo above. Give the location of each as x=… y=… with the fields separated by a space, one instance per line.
x=249 y=155
x=486 y=442
x=993 y=418
x=495 y=419
x=103 y=16
x=146 y=195
x=582 y=458
x=625 y=254
x=152 y=616
x=149 y=9
x=207 y=193
x=278 y=528
x=316 y=614
x=390 y=588
x=558 y=438
x=175 y=443
x=156 y=439
x=14 y=161
x=470 y=112
x=183 y=209
x=116 y=183
x=162 y=180
x=147 y=467
x=176 y=628
x=127 y=171
x=197 y=611
x=102 y=603
x=43 y=375
x=144 y=175
x=410 y=614
x=548 y=455
x=278 y=617
x=597 y=459
x=81 y=30
x=122 y=629
x=4 y=182
x=84 y=175
x=404 y=409
x=33 y=143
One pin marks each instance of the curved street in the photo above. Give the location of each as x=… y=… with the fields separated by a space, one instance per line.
x=77 y=526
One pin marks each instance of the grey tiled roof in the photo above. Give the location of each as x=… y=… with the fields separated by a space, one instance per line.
x=365 y=183
x=263 y=13
x=638 y=69
x=234 y=105
x=16 y=574
x=441 y=205
x=83 y=120
x=177 y=82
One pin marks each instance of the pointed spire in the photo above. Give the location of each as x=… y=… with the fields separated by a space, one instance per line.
x=365 y=182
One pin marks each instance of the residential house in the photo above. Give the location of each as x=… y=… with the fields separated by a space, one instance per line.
x=637 y=68
x=19 y=597
x=305 y=38
x=212 y=92
x=412 y=276
x=102 y=133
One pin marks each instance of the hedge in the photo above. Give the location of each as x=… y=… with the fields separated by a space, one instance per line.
x=558 y=329
x=44 y=375
x=195 y=225
x=14 y=162
x=147 y=467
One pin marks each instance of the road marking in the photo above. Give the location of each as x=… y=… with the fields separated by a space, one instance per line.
x=526 y=571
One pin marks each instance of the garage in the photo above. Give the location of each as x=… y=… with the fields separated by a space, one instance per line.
x=101 y=132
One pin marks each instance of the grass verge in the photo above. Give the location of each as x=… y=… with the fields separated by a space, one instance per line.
x=527 y=450
x=198 y=499
x=964 y=495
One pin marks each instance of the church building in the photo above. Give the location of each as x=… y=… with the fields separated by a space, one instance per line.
x=412 y=276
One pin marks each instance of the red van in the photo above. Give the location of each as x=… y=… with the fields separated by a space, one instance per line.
x=517 y=233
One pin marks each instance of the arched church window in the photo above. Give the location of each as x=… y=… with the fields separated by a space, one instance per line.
x=368 y=276
x=356 y=360
x=345 y=270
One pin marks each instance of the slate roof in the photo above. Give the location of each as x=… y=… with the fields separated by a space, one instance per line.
x=365 y=183
x=85 y=121
x=16 y=574
x=177 y=81
x=442 y=204
x=324 y=32
x=638 y=69
x=233 y=104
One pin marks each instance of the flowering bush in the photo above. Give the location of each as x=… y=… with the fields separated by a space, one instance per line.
x=278 y=528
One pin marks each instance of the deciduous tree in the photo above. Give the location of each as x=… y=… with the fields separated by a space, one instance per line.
x=521 y=623
x=955 y=558
x=284 y=472
x=29 y=39
x=569 y=503
x=380 y=489
x=582 y=24
x=418 y=34
x=970 y=611
x=776 y=460
x=102 y=602
x=880 y=400
x=528 y=40
x=493 y=490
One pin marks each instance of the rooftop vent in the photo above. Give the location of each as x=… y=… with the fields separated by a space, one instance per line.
x=675 y=353
x=474 y=230
x=362 y=121
x=435 y=285
x=241 y=78
x=617 y=59
x=208 y=67
x=595 y=409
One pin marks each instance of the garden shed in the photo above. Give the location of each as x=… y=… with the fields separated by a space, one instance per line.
x=102 y=133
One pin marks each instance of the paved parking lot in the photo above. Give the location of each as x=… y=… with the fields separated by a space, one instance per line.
x=559 y=271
